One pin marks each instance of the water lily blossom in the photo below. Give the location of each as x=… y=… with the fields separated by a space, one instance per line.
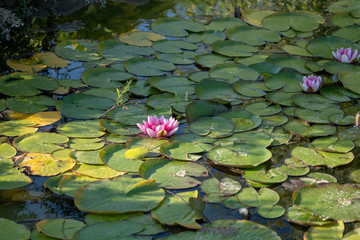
x=159 y=127
x=346 y=55
x=357 y=119
x=311 y=83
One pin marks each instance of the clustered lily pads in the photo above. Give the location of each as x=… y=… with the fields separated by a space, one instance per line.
x=209 y=97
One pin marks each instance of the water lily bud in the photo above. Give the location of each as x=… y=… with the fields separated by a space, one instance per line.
x=311 y=83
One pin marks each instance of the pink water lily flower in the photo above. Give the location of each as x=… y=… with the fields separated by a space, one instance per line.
x=159 y=127
x=346 y=55
x=311 y=83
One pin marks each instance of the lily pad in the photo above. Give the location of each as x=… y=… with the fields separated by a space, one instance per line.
x=173 y=27
x=348 y=80
x=223 y=23
x=262 y=108
x=69 y=184
x=175 y=84
x=10 y=177
x=59 y=228
x=88 y=157
x=303 y=128
x=175 y=210
x=139 y=38
x=312 y=101
x=209 y=60
x=334 y=229
x=127 y=195
x=218 y=91
x=333 y=144
x=96 y=171
x=318 y=116
x=281 y=98
x=338 y=93
x=304 y=217
x=261 y=175
x=105 y=77
x=181 y=151
x=207 y=37
x=331 y=200
x=7 y=151
x=119 y=128
x=186 y=57
x=78 y=50
x=242 y=120
x=198 y=109
x=292 y=62
x=250 y=88
x=12 y=230
x=232 y=48
x=323 y=46
x=216 y=190
x=173 y=46
x=172 y=174
x=287 y=81
x=117 y=51
x=283 y=21
x=85 y=144
x=148 y=67
x=233 y=72
x=41 y=142
x=32 y=104
x=252 y=35
x=212 y=126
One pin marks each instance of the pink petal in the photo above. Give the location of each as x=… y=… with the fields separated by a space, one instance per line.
x=151 y=133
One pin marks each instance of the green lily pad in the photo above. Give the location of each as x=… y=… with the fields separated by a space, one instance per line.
x=17 y=127
x=207 y=37
x=78 y=50
x=233 y=72
x=334 y=229
x=242 y=120
x=119 y=128
x=26 y=84
x=186 y=57
x=252 y=35
x=348 y=80
x=265 y=67
x=304 y=217
x=343 y=6
x=344 y=19
x=88 y=157
x=296 y=50
x=274 y=120
x=351 y=33
x=173 y=46
x=172 y=174
x=96 y=171
x=175 y=210
x=232 y=48
x=243 y=155
x=292 y=62
x=151 y=144
x=255 y=16
x=197 y=76
x=105 y=77
x=212 y=126
x=294 y=167
x=261 y=175
x=117 y=51
x=10 y=177
x=339 y=68
x=338 y=93
x=287 y=81
x=41 y=142
x=7 y=151
x=282 y=98
x=175 y=84
x=181 y=151
x=333 y=144
x=11 y=230
x=318 y=177
x=85 y=144
x=258 y=58
x=317 y=116
x=127 y=195
x=148 y=67
x=317 y=158
x=82 y=129
x=209 y=60
x=83 y=106
x=250 y=88
x=218 y=91
x=271 y=211
x=331 y=200
x=323 y=46
x=243 y=139
x=280 y=136
x=312 y=101
x=262 y=108
x=139 y=38
x=59 y=228
x=355 y=176
x=173 y=27
x=119 y=229
x=222 y=23
x=32 y=104
x=69 y=184
x=198 y=109
x=117 y=157
x=283 y=21
x=301 y=127
x=216 y=190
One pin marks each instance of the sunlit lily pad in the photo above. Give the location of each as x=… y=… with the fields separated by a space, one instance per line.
x=7 y=151
x=175 y=210
x=151 y=144
x=11 y=177
x=255 y=16
x=117 y=51
x=41 y=142
x=250 y=197
x=44 y=164
x=333 y=144
x=261 y=175
x=26 y=84
x=96 y=171
x=233 y=72
x=119 y=128
x=82 y=129
x=84 y=144
x=83 y=106
x=139 y=38
x=59 y=228
x=69 y=184
x=78 y=50
x=172 y=174
x=301 y=127
x=240 y=140
x=29 y=65
x=334 y=229
x=318 y=177
x=244 y=156
x=88 y=157
x=304 y=217
x=115 y=156
x=148 y=67
x=212 y=126
x=283 y=21
x=127 y=195
x=232 y=48
x=216 y=190
x=12 y=230
x=252 y=35
x=181 y=151
x=32 y=104
x=331 y=200
x=17 y=127
x=173 y=27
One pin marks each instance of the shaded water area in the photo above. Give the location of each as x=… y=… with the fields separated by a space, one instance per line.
x=280 y=141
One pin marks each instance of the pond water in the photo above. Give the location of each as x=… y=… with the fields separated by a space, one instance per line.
x=255 y=148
